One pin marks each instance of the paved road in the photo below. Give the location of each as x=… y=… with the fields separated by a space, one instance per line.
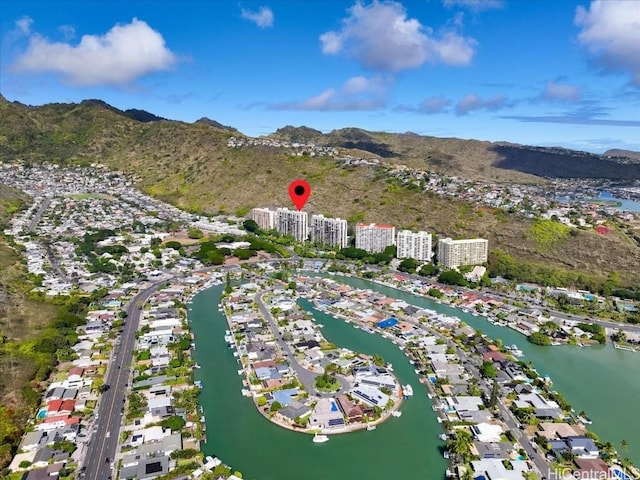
x=306 y=377
x=43 y=206
x=112 y=401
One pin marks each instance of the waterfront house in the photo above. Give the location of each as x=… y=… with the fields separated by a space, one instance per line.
x=349 y=409
x=146 y=468
x=583 y=447
x=370 y=395
x=592 y=468
x=464 y=403
x=294 y=410
x=495 y=469
x=496 y=450
x=326 y=415
x=486 y=432
x=558 y=430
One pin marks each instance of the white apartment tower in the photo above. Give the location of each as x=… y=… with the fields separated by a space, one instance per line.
x=375 y=237
x=453 y=253
x=328 y=231
x=414 y=245
x=292 y=222
x=265 y=218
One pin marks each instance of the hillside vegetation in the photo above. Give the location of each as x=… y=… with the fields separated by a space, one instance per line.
x=191 y=166
x=22 y=321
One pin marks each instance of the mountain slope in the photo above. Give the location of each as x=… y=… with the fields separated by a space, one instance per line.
x=474 y=159
x=191 y=166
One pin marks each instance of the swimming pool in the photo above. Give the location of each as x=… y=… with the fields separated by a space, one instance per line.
x=42 y=413
x=334 y=407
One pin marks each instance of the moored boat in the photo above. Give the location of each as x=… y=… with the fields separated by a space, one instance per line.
x=320 y=438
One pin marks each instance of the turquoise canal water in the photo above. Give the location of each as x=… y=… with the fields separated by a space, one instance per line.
x=402 y=448
x=600 y=380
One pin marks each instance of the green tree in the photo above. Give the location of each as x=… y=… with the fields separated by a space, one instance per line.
x=250 y=225
x=175 y=423
x=488 y=370
x=460 y=445
x=453 y=277
x=539 y=338
x=195 y=233
x=378 y=360
x=408 y=265
x=435 y=293
x=228 y=288
x=493 y=401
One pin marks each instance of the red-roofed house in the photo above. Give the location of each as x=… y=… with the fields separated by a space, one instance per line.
x=493 y=356
x=60 y=407
x=75 y=373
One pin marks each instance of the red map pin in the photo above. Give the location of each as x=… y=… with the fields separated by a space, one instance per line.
x=299 y=191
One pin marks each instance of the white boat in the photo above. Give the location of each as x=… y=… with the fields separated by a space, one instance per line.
x=370 y=427
x=396 y=413
x=514 y=350
x=320 y=438
x=196 y=366
x=407 y=390
x=443 y=436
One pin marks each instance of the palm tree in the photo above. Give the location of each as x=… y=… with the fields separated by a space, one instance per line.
x=460 y=445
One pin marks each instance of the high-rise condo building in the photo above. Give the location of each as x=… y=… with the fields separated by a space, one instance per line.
x=265 y=218
x=328 y=231
x=414 y=245
x=453 y=253
x=375 y=237
x=292 y=222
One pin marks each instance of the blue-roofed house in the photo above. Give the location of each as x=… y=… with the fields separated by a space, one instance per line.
x=284 y=397
x=389 y=322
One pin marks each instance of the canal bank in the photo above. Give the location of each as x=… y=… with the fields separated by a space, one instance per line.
x=403 y=448
x=600 y=380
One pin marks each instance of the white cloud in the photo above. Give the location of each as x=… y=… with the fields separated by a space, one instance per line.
x=434 y=105
x=453 y=49
x=474 y=102
x=475 y=5
x=611 y=32
x=68 y=31
x=123 y=54
x=357 y=93
x=262 y=18
x=381 y=37
x=24 y=25
x=562 y=91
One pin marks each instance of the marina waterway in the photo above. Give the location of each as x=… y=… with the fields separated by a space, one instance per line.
x=404 y=448
x=601 y=380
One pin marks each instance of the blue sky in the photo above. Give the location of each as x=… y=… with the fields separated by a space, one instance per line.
x=545 y=72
